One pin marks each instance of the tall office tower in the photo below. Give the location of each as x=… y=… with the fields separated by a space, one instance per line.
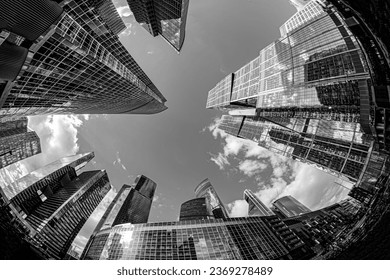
x=320 y=228
x=49 y=206
x=131 y=205
x=310 y=98
x=17 y=141
x=290 y=207
x=167 y=18
x=210 y=239
x=256 y=207
x=205 y=189
x=66 y=58
x=196 y=209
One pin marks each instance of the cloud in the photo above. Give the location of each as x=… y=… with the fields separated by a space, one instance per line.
x=238 y=208
x=299 y=4
x=119 y=161
x=155 y=198
x=124 y=11
x=251 y=167
x=274 y=175
x=58 y=137
x=150 y=52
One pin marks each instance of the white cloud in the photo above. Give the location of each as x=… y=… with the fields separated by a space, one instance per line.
x=155 y=198
x=124 y=11
x=313 y=187
x=299 y=4
x=238 y=208
x=150 y=52
x=251 y=167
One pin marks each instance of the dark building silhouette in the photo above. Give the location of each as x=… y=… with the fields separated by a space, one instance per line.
x=17 y=141
x=163 y=17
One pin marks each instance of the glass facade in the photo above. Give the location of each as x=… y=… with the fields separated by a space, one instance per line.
x=79 y=66
x=290 y=207
x=256 y=206
x=17 y=142
x=164 y=17
x=206 y=189
x=196 y=209
x=234 y=238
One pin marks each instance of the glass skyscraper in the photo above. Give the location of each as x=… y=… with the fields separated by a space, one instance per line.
x=206 y=189
x=256 y=206
x=131 y=205
x=309 y=96
x=48 y=207
x=196 y=209
x=162 y=17
x=68 y=60
x=207 y=239
x=17 y=141
x=290 y=207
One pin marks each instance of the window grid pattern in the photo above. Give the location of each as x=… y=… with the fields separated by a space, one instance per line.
x=234 y=238
x=220 y=94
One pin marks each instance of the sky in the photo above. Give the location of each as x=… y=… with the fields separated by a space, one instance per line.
x=181 y=146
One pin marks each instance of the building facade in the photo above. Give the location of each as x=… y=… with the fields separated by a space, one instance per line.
x=17 y=141
x=207 y=239
x=47 y=208
x=167 y=18
x=314 y=96
x=196 y=209
x=255 y=206
x=206 y=189
x=69 y=61
x=290 y=207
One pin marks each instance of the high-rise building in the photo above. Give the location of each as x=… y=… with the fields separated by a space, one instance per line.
x=206 y=189
x=288 y=206
x=17 y=141
x=131 y=205
x=311 y=98
x=256 y=206
x=196 y=209
x=67 y=59
x=48 y=207
x=207 y=239
x=167 y=18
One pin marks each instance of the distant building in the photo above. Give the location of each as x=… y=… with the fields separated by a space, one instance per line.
x=48 y=207
x=290 y=207
x=131 y=205
x=208 y=239
x=256 y=206
x=17 y=141
x=196 y=209
x=206 y=189
x=167 y=18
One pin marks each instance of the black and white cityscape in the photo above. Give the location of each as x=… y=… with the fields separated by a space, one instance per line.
x=317 y=96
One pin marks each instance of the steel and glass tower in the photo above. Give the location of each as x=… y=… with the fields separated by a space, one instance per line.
x=206 y=189
x=309 y=96
x=256 y=206
x=162 y=17
x=290 y=207
x=196 y=209
x=64 y=57
x=17 y=141
x=48 y=207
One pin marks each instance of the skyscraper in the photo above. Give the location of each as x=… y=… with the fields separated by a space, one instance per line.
x=68 y=59
x=206 y=189
x=17 y=142
x=167 y=18
x=309 y=96
x=290 y=207
x=256 y=206
x=196 y=209
x=48 y=207
x=131 y=205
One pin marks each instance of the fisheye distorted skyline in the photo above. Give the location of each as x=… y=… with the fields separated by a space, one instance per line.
x=181 y=146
